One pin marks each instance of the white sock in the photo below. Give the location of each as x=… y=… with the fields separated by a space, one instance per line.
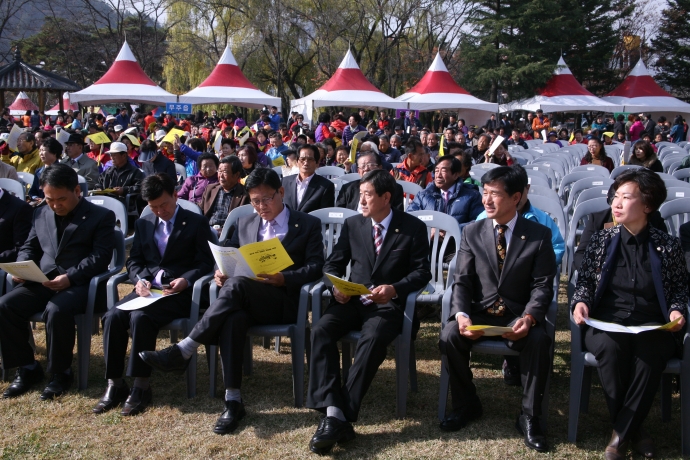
x=233 y=394
x=188 y=346
x=332 y=411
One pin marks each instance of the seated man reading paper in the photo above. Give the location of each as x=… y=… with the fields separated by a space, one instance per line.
x=242 y=301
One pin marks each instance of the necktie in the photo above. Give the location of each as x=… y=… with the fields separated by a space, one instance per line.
x=378 y=241
x=163 y=236
x=272 y=229
x=445 y=194
x=499 y=307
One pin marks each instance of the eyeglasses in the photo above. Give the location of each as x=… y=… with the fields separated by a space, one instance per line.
x=305 y=160
x=367 y=166
x=263 y=201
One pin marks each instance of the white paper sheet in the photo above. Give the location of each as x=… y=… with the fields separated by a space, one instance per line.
x=27 y=270
x=141 y=302
x=230 y=262
x=612 y=327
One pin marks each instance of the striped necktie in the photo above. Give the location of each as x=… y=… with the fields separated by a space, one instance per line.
x=378 y=242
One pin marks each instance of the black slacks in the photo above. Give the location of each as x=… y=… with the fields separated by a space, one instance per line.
x=144 y=325
x=630 y=368
x=379 y=324
x=59 y=309
x=535 y=361
x=242 y=302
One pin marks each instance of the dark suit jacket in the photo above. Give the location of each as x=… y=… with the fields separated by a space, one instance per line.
x=187 y=254
x=526 y=282
x=15 y=224
x=85 y=167
x=86 y=246
x=239 y=198
x=160 y=164
x=685 y=243
x=596 y=222
x=349 y=196
x=320 y=193
x=403 y=261
x=303 y=243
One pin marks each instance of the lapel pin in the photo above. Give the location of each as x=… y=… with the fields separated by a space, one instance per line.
x=522 y=237
x=396 y=230
x=83 y=217
x=296 y=225
x=184 y=223
x=658 y=249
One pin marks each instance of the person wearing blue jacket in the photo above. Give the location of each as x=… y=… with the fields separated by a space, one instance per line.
x=449 y=194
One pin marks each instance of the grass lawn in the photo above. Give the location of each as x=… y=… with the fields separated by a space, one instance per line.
x=177 y=427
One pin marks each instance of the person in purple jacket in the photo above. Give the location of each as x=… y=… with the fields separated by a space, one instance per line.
x=194 y=186
x=352 y=128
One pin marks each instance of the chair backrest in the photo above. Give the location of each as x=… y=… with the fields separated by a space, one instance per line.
x=673 y=182
x=349 y=177
x=330 y=171
x=410 y=189
x=543 y=190
x=594 y=169
x=547 y=170
x=554 y=209
x=675 y=213
x=591 y=193
x=485 y=166
x=569 y=180
x=14 y=187
x=115 y=206
x=537 y=178
x=84 y=185
x=534 y=142
x=279 y=170
x=440 y=222
x=556 y=164
x=332 y=220
x=338 y=184
x=682 y=174
x=584 y=184
x=184 y=204
x=232 y=219
x=666 y=176
x=522 y=161
x=618 y=170
x=582 y=213
x=119 y=254
x=673 y=193
x=673 y=166
x=666 y=151
x=26 y=177
x=181 y=171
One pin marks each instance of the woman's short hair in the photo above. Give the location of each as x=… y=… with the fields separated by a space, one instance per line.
x=230 y=142
x=53 y=146
x=646 y=147
x=651 y=185
x=250 y=151
x=206 y=156
x=197 y=144
x=324 y=117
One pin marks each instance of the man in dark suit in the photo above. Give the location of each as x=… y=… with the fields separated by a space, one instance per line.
x=170 y=252
x=71 y=240
x=389 y=253
x=349 y=195
x=15 y=224
x=307 y=191
x=79 y=161
x=243 y=302
x=684 y=233
x=225 y=195
x=504 y=277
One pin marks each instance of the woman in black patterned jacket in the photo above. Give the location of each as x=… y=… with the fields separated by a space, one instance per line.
x=632 y=274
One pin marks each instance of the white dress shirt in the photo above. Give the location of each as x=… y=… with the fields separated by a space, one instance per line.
x=385 y=222
x=302 y=187
x=277 y=228
x=509 y=232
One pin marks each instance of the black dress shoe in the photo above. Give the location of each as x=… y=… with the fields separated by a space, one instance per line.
x=59 y=384
x=530 y=428
x=617 y=448
x=137 y=401
x=461 y=417
x=24 y=379
x=511 y=371
x=644 y=444
x=113 y=396
x=230 y=418
x=330 y=432
x=167 y=360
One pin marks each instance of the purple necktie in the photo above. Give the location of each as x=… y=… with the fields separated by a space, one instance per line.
x=163 y=233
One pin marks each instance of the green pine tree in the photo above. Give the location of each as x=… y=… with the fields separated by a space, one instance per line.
x=672 y=45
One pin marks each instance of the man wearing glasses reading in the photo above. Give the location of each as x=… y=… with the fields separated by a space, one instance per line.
x=307 y=191
x=349 y=194
x=243 y=302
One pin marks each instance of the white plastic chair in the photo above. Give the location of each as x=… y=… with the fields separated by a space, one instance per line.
x=26 y=177
x=682 y=174
x=14 y=187
x=674 y=193
x=675 y=213
x=594 y=169
x=410 y=189
x=349 y=177
x=330 y=172
x=184 y=204
x=618 y=170
x=581 y=213
x=232 y=219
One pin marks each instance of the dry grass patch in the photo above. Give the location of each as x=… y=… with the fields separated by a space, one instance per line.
x=177 y=427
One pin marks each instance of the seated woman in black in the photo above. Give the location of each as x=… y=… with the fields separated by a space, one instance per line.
x=622 y=268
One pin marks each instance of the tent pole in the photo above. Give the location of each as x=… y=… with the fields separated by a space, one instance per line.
x=62 y=104
x=2 y=100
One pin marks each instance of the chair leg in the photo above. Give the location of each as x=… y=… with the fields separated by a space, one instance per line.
x=685 y=408
x=267 y=343
x=443 y=390
x=666 y=390
x=212 y=352
x=248 y=356
x=297 y=349
x=577 y=380
x=173 y=336
x=83 y=351
x=277 y=339
x=402 y=371
x=586 y=389
x=413 y=369
x=307 y=346
x=347 y=360
x=191 y=376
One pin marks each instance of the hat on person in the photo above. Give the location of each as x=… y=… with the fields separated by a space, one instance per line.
x=553 y=133
x=110 y=117
x=160 y=134
x=75 y=138
x=398 y=127
x=131 y=130
x=117 y=147
x=118 y=128
x=146 y=155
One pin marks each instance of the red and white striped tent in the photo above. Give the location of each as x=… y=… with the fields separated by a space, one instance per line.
x=125 y=81
x=227 y=85
x=21 y=104
x=563 y=93
x=348 y=87
x=65 y=106
x=640 y=93
x=438 y=91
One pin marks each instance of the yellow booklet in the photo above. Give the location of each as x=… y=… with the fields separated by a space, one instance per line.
x=99 y=138
x=265 y=257
x=103 y=192
x=348 y=287
x=278 y=161
x=490 y=331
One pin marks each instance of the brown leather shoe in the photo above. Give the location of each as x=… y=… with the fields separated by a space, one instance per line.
x=617 y=448
x=644 y=444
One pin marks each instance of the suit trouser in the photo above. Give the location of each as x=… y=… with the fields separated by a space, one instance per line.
x=630 y=368
x=535 y=361
x=242 y=302
x=379 y=324
x=144 y=325
x=59 y=309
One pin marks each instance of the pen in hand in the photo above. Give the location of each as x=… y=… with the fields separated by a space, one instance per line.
x=144 y=290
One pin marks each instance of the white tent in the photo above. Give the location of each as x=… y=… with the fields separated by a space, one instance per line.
x=227 y=85
x=21 y=104
x=348 y=87
x=640 y=93
x=563 y=93
x=125 y=81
